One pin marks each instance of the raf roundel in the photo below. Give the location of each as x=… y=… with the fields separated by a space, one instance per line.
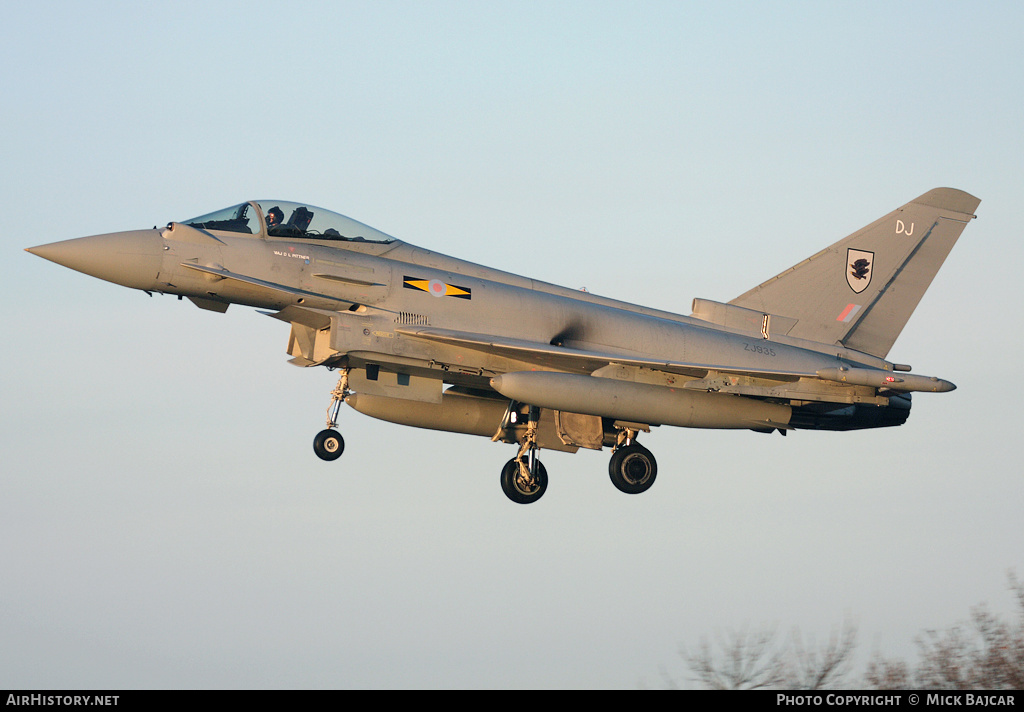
x=437 y=288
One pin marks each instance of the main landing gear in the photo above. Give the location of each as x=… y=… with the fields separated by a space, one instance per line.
x=523 y=478
x=632 y=467
x=328 y=444
x=524 y=483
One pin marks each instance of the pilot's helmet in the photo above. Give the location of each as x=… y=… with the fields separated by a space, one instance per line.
x=274 y=216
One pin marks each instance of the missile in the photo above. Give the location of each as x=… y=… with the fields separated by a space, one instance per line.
x=640 y=402
x=905 y=382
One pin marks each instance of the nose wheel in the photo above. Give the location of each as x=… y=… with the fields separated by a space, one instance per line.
x=328 y=444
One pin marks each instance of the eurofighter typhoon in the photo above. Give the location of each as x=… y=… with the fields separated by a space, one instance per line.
x=432 y=341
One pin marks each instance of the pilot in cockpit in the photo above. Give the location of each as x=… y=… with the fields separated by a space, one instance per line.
x=274 y=218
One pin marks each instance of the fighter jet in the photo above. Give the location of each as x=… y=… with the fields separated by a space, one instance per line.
x=432 y=341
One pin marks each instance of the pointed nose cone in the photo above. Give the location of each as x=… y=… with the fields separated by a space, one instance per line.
x=130 y=258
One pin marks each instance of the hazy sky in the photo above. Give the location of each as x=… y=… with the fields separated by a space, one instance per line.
x=164 y=521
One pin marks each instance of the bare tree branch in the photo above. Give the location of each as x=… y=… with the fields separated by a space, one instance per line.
x=985 y=654
x=883 y=674
x=813 y=668
x=749 y=662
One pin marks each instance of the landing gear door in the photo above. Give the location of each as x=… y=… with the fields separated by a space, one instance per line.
x=581 y=430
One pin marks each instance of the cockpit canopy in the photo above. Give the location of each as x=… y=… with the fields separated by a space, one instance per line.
x=282 y=219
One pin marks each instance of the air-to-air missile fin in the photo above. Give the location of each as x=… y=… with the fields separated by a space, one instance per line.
x=861 y=291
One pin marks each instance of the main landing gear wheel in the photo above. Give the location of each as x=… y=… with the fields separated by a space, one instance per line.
x=520 y=485
x=328 y=444
x=633 y=469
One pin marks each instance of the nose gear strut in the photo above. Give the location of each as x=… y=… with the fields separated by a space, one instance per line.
x=328 y=444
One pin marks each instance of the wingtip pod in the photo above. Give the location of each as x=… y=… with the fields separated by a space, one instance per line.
x=951 y=199
x=905 y=382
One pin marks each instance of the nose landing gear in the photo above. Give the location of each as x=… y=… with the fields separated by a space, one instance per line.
x=328 y=444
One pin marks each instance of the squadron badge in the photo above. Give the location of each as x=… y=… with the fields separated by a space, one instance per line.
x=859 y=266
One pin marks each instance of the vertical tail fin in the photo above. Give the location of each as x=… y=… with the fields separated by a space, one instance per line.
x=861 y=291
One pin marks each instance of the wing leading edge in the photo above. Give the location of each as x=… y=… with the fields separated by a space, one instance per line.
x=580 y=360
x=593 y=362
